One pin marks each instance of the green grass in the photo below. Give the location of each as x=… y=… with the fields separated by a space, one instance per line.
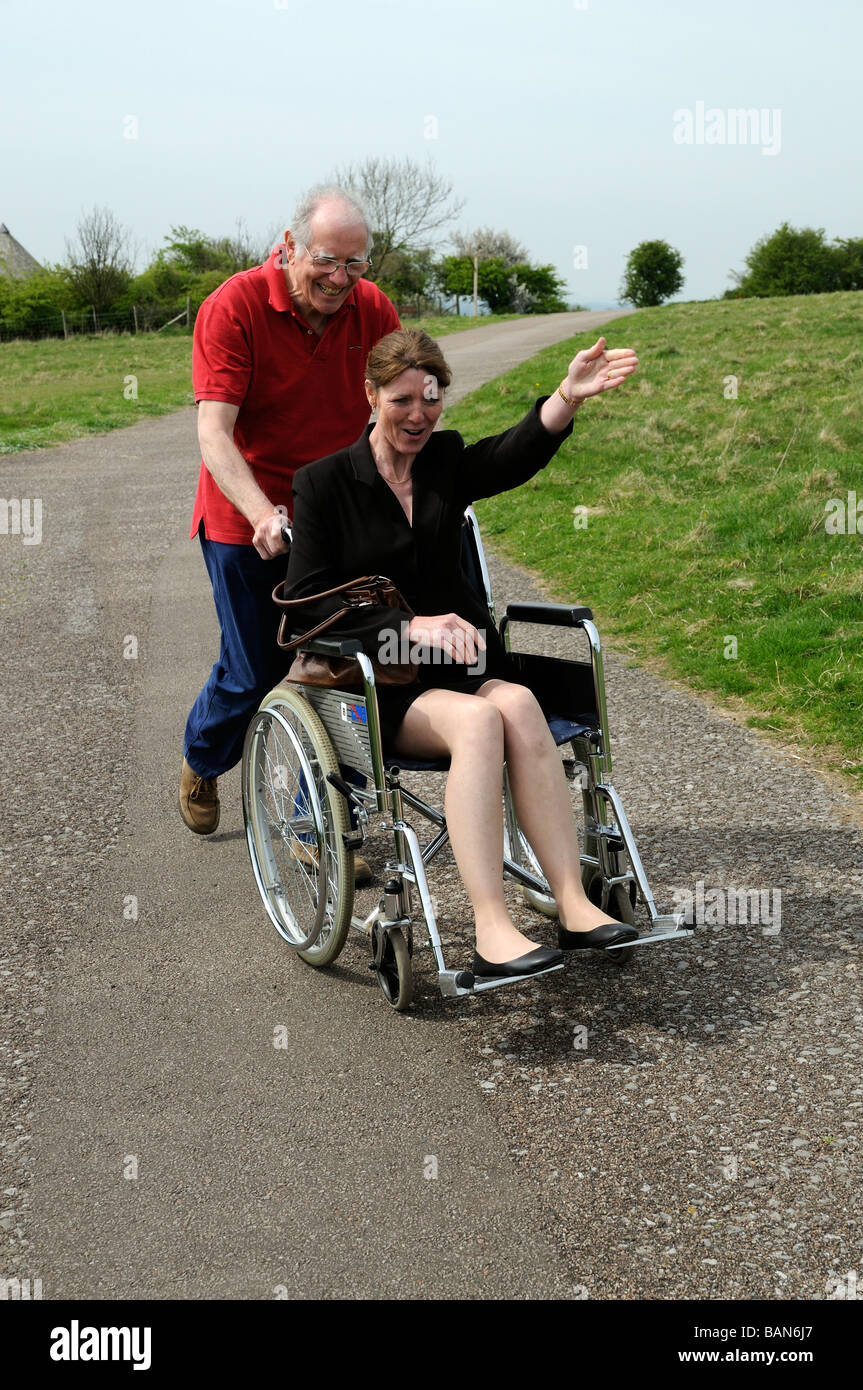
x=54 y=390
x=706 y=515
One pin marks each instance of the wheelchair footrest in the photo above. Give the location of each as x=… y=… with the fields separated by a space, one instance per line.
x=667 y=928
x=455 y=983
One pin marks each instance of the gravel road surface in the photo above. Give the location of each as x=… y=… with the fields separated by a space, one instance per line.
x=686 y=1126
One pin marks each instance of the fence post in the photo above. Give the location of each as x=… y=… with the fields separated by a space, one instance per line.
x=65 y=329
x=188 y=311
x=135 y=316
x=95 y=320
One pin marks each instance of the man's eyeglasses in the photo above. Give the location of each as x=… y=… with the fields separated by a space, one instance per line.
x=331 y=265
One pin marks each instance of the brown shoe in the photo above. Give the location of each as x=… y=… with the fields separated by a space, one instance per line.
x=199 y=801
x=307 y=856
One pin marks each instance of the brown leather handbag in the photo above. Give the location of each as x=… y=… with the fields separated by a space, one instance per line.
x=340 y=672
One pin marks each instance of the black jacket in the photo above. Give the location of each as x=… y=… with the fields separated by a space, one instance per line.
x=348 y=523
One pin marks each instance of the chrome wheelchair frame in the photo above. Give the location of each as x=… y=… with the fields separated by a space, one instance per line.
x=304 y=818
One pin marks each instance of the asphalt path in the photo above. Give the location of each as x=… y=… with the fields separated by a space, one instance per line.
x=155 y=1142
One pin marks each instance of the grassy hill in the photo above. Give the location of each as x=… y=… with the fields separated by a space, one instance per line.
x=705 y=550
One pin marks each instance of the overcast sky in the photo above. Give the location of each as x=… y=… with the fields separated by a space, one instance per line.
x=563 y=121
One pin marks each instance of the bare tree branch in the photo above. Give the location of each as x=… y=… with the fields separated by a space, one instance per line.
x=486 y=243
x=406 y=202
x=100 y=261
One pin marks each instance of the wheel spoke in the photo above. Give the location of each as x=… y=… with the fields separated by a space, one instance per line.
x=294 y=827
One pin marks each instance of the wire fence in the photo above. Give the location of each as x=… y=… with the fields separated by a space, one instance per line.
x=151 y=317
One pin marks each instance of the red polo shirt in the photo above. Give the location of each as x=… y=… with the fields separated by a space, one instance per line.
x=300 y=396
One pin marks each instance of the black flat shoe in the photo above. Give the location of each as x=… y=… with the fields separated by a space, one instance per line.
x=608 y=934
x=540 y=959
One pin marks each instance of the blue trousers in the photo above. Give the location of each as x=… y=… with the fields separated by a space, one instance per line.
x=250 y=663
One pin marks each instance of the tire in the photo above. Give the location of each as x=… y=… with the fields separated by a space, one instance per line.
x=295 y=824
x=620 y=904
x=391 y=961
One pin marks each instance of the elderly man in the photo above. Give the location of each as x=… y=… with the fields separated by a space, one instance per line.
x=278 y=368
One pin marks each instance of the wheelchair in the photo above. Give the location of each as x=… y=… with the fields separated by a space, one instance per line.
x=315 y=777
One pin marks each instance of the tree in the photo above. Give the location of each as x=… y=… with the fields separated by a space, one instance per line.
x=849 y=257
x=495 y=284
x=455 y=276
x=790 y=261
x=653 y=273
x=99 y=262
x=406 y=202
x=410 y=277
x=33 y=305
x=537 y=289
x=192 y=252
x=486 y=243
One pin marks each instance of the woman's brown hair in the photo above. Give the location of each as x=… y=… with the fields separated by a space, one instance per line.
x=401 y=350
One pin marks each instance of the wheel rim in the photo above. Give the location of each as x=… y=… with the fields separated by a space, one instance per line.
x=290 y=844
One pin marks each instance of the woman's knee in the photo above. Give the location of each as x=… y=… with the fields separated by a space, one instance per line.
x=523 y=717
x=477 y=721
x=518 y=704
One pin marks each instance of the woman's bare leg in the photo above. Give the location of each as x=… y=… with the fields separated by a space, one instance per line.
x=471 y=731
x=542 y=801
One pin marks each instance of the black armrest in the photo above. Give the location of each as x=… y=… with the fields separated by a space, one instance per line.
x=332 y=646
x=550 y=614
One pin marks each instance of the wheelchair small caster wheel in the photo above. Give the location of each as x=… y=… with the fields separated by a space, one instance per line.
x=391 y=962
x=619 y=905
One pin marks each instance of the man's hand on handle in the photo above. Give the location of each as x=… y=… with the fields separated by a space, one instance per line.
x=269 y=539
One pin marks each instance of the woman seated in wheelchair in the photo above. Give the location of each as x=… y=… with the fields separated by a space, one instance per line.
x=393 y=504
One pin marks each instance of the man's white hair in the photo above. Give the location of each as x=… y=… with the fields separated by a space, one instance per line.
x=310 y=204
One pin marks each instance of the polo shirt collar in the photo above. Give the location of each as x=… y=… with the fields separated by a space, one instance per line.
x=277 y=286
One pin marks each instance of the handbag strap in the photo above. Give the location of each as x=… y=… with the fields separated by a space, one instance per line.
x=306 y=636
x=370 y=589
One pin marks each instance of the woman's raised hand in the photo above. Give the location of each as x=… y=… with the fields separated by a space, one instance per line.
x=598 y=369
x=452 y=634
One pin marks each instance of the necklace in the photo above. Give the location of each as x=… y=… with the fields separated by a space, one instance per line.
x=391 y=478
x=397 y=482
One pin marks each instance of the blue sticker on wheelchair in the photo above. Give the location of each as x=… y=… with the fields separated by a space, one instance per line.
x=354 y=714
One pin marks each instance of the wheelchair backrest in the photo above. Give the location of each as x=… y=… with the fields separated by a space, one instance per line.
x=473 y=561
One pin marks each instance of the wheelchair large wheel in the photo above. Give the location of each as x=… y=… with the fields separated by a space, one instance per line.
x=520 y=852
x=296 y=824
x=619 y=903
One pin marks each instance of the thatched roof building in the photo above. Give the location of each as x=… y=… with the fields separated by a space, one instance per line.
x=14 y=260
